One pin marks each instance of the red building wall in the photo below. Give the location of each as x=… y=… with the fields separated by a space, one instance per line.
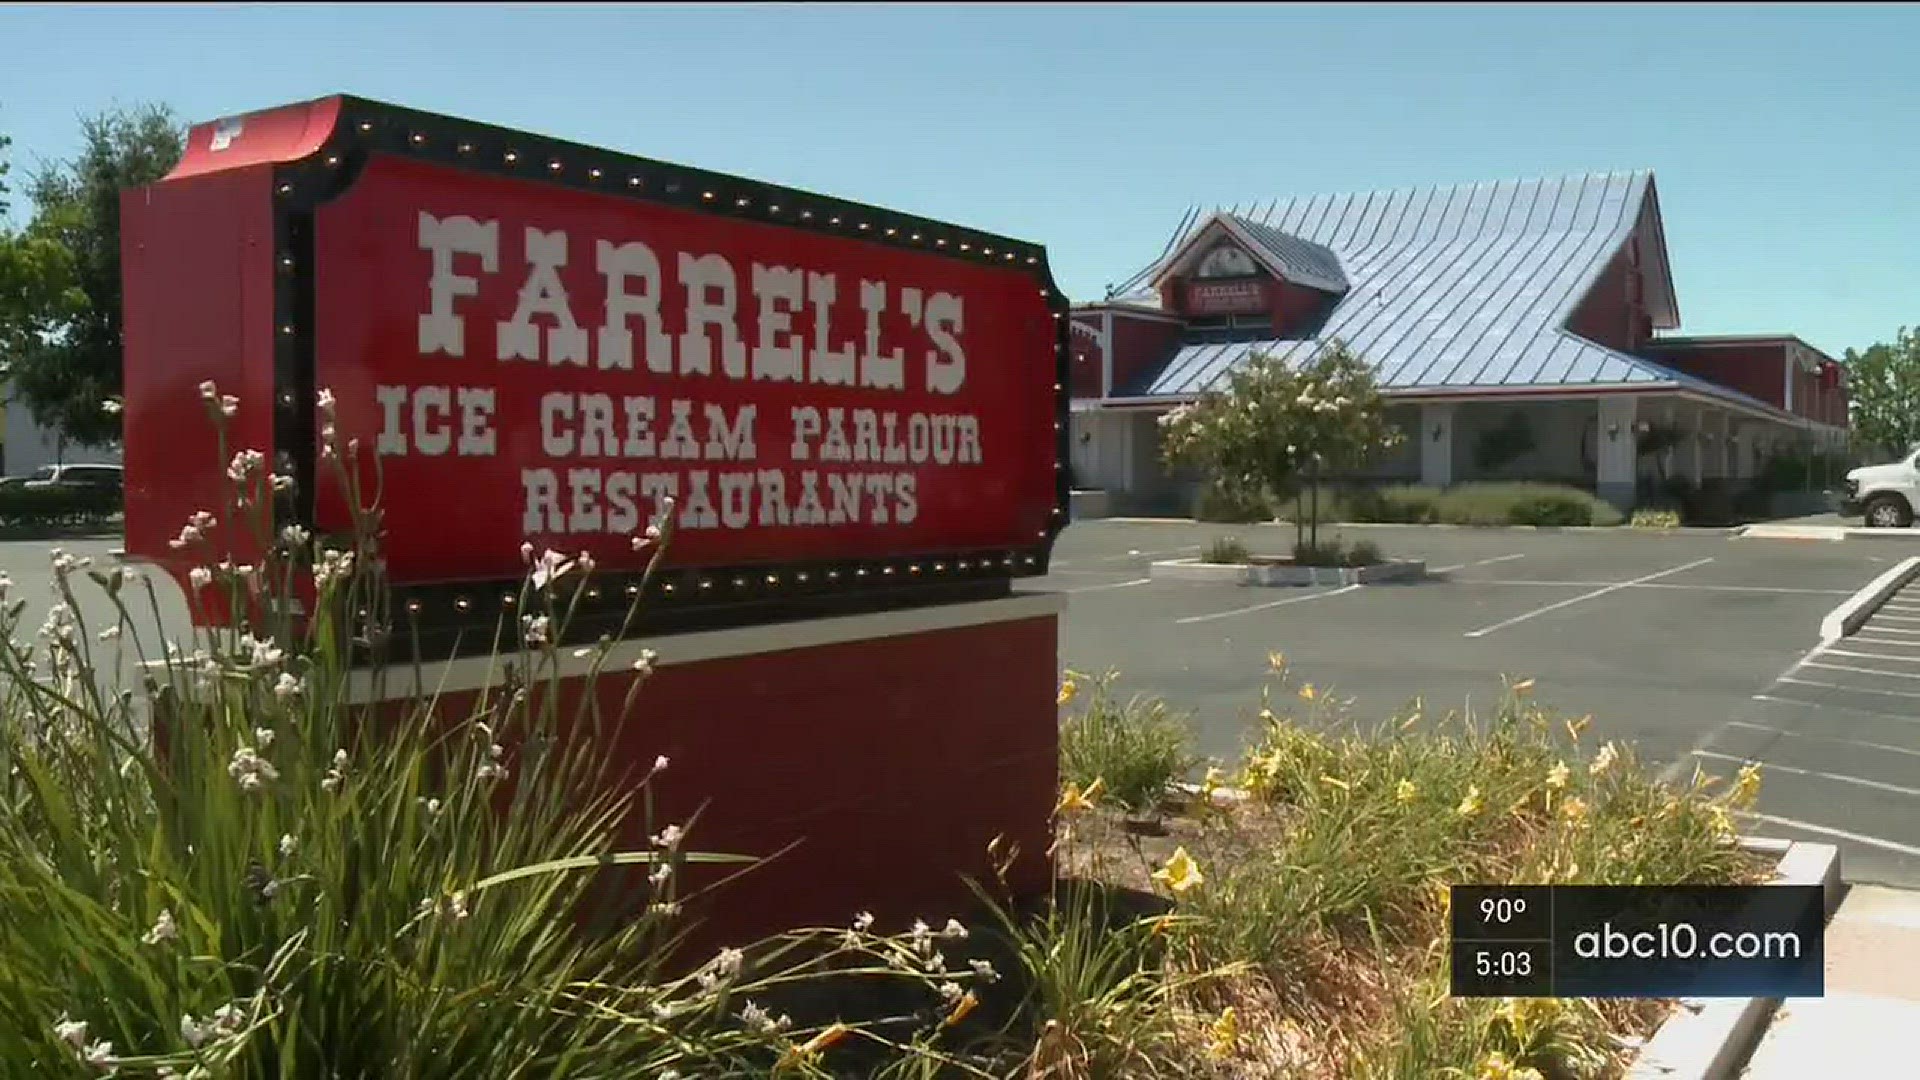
x=1141 y=343
x=1084 y=372
x=1756 y=370
x=1611 y=312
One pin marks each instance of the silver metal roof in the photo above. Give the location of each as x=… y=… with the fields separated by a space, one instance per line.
x=1464 y=287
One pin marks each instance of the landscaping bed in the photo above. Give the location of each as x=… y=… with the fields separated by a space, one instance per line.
x=1331 y=563
x=1305 y=888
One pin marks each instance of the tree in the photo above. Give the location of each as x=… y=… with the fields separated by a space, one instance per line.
x=1274 y=426
x=60 y=277
x=1883 y=384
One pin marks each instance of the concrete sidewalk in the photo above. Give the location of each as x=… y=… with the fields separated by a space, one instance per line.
x=1869 y=1018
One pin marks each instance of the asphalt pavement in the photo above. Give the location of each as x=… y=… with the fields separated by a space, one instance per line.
x=1674 y=641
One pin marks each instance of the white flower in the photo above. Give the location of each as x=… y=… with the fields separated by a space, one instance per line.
x=164 y=929
x=202 y=520
x=953 y=931
x=644 y=665
x=208 y=391
x=227 y=1019
x=324 y=400
x=200 y=577
x=1603 y=760
x=280 y=481
x=250 y=769
x=921 y=935
x=110 y=633
x=984 y=970
x=112 y=407
x=492 y=771
x=333 y=566
x=551 y=567
x=245 y=464
x=287 y=686
x=295 y=536
x=526 y=552
x=229 y=404
x=263 y=736
x=659 y=875
x=660 y=763
x=759 y=1021
x=339 y=759
x=432 y=806
x=669 y=837
x=951 y=991
x=72 y=1032
x=264 y=653
x=100 y=1056
x=288 y=845
x=195 y=1032
x=536 y=627
x=585 y=562
x=863 y=921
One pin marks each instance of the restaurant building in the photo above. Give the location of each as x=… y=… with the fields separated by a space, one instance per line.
x=1519 y=330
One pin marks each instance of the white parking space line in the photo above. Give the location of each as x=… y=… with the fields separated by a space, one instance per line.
x=1864 y=671
x=1895 y=618
x=1517 y=619
x=1891 y=629
x=1855 y=709
x=1851 y=689
x=1482 y=562
x=1783 y=733
x=1838 y=778
x=1657 y=585
x=1895 y=643
x=1262 y=607
x=1108 y=585
x=1898 y=606
x=1871 y=655
x=1827 y=830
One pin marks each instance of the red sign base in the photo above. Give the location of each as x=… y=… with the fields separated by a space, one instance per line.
x=894 y=748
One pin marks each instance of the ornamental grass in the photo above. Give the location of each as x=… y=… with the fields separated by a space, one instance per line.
x=281 y=888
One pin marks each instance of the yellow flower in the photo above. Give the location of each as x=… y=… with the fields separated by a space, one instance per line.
x=1470 y=805
x=1068 y=688
x=1276 y=662
x=1557 y=776
x=1575 y=727
x=1308 y=693
x=1180 y=873
x=1574 y=810
x=812 y=1048
x=1073 y=800
x=960 y=1011
x=1495 y=1066
x=1722 y=824
x=1746 y=786
x=1603 y=760
x=1226 y=1031
x=1445 y=894
x=1404 y=791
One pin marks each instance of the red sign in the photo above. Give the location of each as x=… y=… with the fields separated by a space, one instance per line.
x=534 y=364
x=1226 y=297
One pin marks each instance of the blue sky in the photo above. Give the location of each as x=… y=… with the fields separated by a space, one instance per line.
x=1785 y=140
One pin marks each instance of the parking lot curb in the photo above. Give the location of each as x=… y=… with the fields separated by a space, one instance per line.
x=1712 y=1039
x=1620 y=530
x=1859 y=607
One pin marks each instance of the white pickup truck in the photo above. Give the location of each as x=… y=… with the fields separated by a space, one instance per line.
x=1885 y=495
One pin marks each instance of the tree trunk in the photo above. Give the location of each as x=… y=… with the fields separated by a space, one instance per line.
x=1313 y=516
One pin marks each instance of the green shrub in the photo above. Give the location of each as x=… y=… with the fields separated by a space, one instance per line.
x=1408 y=504
x=57 y=507
x=1649 y=518
x=1136 y=749
x=1226 y=550
x=1364 y=553
x=1226 y=505
x=1523 y=503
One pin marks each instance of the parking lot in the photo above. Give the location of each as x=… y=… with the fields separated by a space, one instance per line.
x=1691 y=645
x=1676 y=642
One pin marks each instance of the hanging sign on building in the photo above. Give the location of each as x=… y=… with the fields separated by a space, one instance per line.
x=1242 y=297
x=540 y=342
